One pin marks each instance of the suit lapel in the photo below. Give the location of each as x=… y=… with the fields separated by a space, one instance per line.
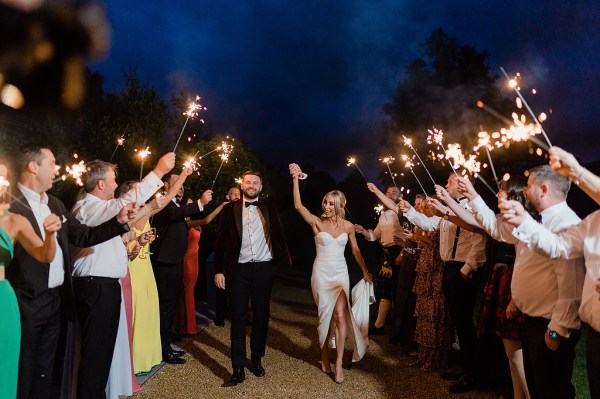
x=264 y=209
x=21 y=206
x=237 y=214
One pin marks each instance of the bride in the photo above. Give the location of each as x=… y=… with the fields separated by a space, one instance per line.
x=330 y=281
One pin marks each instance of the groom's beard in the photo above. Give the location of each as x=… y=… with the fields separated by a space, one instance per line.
x=249 y=195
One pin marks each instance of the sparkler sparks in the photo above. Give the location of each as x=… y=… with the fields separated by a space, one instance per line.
x=226 y=151
x=352 y=161
x=387 y=161
x=513 y=84
x=143 y=154
x=408 y=163
x=378 y=209
x=191 y=112
x=408 y=142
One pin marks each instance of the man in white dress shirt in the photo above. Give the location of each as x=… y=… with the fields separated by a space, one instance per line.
x=546 y=291
x=581 y=239
x=463 y=253
x=97 y=270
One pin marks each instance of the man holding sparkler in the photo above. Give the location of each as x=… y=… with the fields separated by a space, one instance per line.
x=97 y=270
x=168 y=251
x=463 y=253
x=44 y=290
x=385 y=284
x=249 y=241
x=556 y=283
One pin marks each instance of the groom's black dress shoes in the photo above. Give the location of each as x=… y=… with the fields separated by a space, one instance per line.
x=172 y=359
x=238 y=376
x=464 y=384
x=257 y=368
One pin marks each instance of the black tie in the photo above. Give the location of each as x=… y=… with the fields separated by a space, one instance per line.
x=247 y=203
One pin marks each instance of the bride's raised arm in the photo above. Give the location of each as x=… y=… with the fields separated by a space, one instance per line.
x=308 y=217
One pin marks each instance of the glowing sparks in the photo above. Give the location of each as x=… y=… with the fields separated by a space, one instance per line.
x=378 y=209
x=120 y=143
x=352 y=161
x=408 y=163
x=408 y=142
x=226 y=150
x=192 y=111
x=387 y=161
x=518 y=92
x=143 y=154
x=75 y=171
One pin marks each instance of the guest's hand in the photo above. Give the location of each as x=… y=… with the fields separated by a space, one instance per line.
x=359 y=229
x=52 y=223
x=220 y=280
x=512 y=311
x=437 y=206
x=164 y=165
x=373 y=188
x=404 y=206
x=564 y=163
x=442 y=193
x=465 y=187
x=187 y=171
x=206 y=197
x=134 y=251
x=127 y=213
x=512 y=212
x=368 y=277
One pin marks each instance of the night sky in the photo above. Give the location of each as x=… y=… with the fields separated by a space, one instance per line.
x=305 y=81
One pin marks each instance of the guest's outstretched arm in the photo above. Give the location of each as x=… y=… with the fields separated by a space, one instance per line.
x=208 y=219
x=564 y=163
x=388 y=202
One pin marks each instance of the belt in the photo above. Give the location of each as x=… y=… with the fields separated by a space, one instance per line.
x=97 y=278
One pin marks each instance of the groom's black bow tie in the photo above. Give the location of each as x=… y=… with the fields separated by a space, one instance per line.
x=247 y=203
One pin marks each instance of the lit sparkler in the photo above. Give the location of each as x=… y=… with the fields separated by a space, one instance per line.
x=409 y=164
x=226 y=151
x=378 y=209
x=143 y=154
x=191 y=112
x=514 y=86
x=352 y=161
x=436 y=137
x=120 y=142
x=408 y=142
x=387 y=161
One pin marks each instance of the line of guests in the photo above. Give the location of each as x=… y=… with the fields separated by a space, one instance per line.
x=91 y=280
x=532 y=299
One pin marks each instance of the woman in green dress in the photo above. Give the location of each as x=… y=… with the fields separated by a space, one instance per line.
x=16 y=228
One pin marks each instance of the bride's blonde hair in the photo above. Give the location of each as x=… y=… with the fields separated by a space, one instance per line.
x=339 y=203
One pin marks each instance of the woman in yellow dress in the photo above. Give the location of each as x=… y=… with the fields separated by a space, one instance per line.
x=146 y=346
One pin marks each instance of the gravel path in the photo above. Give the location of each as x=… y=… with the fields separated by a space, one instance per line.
x=292 y=364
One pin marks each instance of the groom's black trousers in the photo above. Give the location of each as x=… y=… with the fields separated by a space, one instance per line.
x=251 y=281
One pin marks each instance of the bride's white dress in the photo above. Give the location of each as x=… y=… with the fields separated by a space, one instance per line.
x=329 y=278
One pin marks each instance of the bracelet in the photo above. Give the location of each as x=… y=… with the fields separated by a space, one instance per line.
x=577 y=180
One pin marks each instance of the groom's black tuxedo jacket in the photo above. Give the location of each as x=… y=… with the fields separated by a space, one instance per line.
x=229 y=236
x=29 y=277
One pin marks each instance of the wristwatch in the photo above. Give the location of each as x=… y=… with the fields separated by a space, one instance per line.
x=446 y=215
x=553 y=335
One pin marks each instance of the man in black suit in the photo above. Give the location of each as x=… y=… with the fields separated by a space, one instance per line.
x=249 y=241
x=168 y=251
x=44 y=290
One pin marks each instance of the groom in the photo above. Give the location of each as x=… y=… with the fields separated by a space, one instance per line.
x=249 y=241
